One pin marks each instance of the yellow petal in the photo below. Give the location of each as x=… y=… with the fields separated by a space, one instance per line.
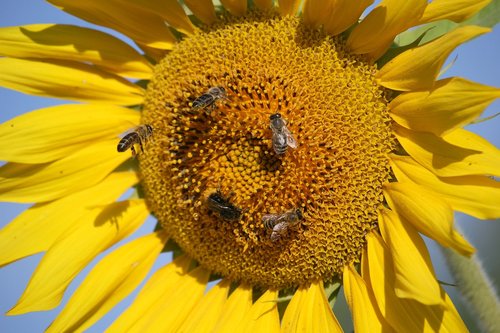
x=428 y=213
x=478 y=196
x=69 y=42
x=316 y=12
x=161 y=283
x=417 y=68
x=458 y=153
x=205 y=314
x=75 y=249
x=309 y=311
x=452 y=103
x=453 y=10
x=377 y=30
x=263 y=4
x=170 y=10
x=364 y=310
x=263 y=316
x=288 y=7
x=49 y=181
x=344 y=13
x=52 y=133
x=172 y=309
x=139 y=24
x=235 y=7
x=68 y=80
x=39 y=226
x=236 y=307
x=404 y=315
x=202 y=9
x=415 y=278
x=110 y=281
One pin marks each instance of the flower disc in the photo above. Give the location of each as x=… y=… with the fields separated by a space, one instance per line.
x=332 y=107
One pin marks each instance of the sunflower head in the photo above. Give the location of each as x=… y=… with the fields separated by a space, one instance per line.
x=282 y=146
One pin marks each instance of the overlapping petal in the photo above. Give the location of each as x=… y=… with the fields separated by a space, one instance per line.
x=450 y=104
x=288 y=7
x=68 y=80
x=172 y=309
x=458 y=153
x=427 y=212
x=202 y=9
x=414 y=274
x=309 y=311
x=139 y=24
x=317 y=12
x=453 y=10
x=263 y=4
x=263 y=316
x=235 y=309
x=109 y=282
x=478 y=196
x=170 y=10
x=375 y=33
x=418 y=68
x=402 y=314
x=364 y=310
x=52 y=133
x=207 y=311
x=235 y=7
x=69 y=42
x=343 y=14
x=75 y=249
x=50 y=181
x=159 y=285
x=40 y=225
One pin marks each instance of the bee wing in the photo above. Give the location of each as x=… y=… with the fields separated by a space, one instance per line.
x=290 y=139
x=130 y=130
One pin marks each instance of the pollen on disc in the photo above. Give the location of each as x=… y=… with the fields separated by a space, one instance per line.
x=331 y=106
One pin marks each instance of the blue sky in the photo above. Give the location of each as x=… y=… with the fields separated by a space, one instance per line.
x=477 y=61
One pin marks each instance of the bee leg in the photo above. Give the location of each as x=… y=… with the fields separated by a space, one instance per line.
x=133 y=151
x=140 y=144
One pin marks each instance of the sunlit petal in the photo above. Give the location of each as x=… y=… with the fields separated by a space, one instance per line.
x=110 y=281
x=263 y=316
x=72 y=252
x=458 y=153
x=42 y=224
x=450 y=104
x=344 y=14
x=68 y=80
x=124 y=17
x=427 y=212
x=377 y=30
x=418 y=68
x=235 y=309
x=69 y=42
x=49 y=181
x=453 y=10
x=52 y=133
x=415 y=277
x=161 y=283
x=478 y=196
x=235 y=7
x=207 y=311
x=309 y=311
x=203 y=9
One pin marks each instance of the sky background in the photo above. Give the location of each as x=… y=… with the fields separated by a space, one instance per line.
x=476 y=61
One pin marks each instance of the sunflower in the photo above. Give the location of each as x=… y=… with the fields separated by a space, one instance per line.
x=285 y=149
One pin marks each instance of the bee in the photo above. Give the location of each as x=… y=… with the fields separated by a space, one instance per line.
x=282 y=137
x=222 y=207
x=134 y=136
x=208 y=100
x=279 y=223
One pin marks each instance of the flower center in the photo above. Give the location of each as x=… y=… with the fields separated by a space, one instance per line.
x=223 y=175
